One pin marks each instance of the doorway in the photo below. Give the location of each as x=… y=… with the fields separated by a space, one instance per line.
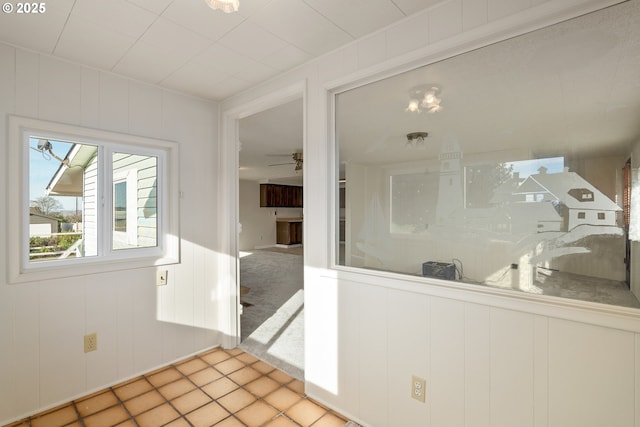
x=271 y=279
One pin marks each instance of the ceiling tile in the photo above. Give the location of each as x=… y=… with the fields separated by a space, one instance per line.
x=115 y=15
x=231 y=61
x=170 y=36
x=151 y=63
x=358 y=17
x=286 y=58
x=297 y=23
x=198 y=17
x=252 y=41
x=155 y=6
x=36 y=31
x=410 y=7
x=92 y=45
x=256 y=72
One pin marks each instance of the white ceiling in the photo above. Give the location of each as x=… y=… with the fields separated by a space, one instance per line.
x=186 y=46
x=572 y=89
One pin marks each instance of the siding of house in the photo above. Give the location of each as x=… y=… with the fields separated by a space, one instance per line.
x=146 y=207
x=89 y=210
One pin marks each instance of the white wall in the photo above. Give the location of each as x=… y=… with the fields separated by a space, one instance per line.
x=139 y=325
x=259 y=224
x=490 y=358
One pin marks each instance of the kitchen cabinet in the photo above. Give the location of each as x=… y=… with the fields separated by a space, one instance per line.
x=289 y=231
x=280 y=196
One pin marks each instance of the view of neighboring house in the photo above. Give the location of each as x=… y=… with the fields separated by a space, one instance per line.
x=42 y=225
x=134 y=198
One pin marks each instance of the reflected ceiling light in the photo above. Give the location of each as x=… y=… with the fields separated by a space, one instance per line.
x=227 y=6
x=424 y=98
x=416 y=139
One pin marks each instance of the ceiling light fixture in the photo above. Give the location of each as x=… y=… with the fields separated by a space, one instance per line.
x=424 y=98
x=416 y=139
x=227 y=6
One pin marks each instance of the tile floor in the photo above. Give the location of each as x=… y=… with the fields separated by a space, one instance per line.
x=222 y=388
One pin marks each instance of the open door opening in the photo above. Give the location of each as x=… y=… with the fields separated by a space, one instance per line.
x=271 y=278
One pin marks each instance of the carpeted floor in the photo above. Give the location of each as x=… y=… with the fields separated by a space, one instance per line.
x=272 y=324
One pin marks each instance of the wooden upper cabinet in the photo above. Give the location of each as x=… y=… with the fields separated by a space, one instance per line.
x=280 y=196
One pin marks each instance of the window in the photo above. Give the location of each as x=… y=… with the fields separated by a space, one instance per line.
x=483 y=194
x=106 y=200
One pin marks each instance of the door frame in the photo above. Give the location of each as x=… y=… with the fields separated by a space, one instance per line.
x=228 y=290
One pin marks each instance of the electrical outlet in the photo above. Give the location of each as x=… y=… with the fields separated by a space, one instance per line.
x=162 y=277
x=90 y=342
x=418 y=388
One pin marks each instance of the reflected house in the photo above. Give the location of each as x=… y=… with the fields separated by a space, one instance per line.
x=575 y=202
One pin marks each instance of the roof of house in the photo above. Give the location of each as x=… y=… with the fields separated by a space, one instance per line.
x=564 y=186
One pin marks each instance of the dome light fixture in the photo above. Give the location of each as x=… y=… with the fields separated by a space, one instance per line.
x=227 y=6
x=424 y=98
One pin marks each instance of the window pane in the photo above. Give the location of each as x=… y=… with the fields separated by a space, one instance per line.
x=483 y=169
x=62 y=183
x=135 y=216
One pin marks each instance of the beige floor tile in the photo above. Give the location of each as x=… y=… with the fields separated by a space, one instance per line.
x=190 y=366
x=190 y=401
x=96 y=403
x=58 y=417
x=282 y=421
x=144 y=402
x=244 y=375
x=176 y=388
x=297 y=386
x=247 y=358
x=305 y=412
x=229 y=366
x=157 y=416
x=283 y=398
x=330 y=420
x=230 y=422
x=256 y=414
x=132 y=389
x=236 y=400
x=127 y=423
x=109 y=417
x=262 y=386
x=235 y=351
x=180 y=422
x=208 y=415
x=215 y=357
x=281 y=377
x=164 y=377
x=220 y=387
x=205 y=376
x=263 y=367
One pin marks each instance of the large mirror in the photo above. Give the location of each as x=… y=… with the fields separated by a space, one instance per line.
x=511 y=166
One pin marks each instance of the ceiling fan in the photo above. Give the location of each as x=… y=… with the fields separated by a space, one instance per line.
x=297 y=160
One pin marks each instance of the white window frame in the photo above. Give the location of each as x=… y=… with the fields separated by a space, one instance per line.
x=167 y=250
x=130 y=177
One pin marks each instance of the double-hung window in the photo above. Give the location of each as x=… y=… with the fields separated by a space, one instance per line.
x=89 y=201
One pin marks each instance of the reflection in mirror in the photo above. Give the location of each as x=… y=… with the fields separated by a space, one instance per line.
x=511 y=166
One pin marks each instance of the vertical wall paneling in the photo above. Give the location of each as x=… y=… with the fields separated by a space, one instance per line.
x=408 y=355
x=101 y=318
x=540 y=371
x=114 y=103
x=412 y=35
x=501 y=8
x=637 y=367
x=511 y=358
x=474 y=13
x=373 y=343
x=61 y=347
x=369 y=51
x=90 y=98
x=59 y=94
x=145 y=110
x=348 y=352
x=445 y=20
x=446 y=382
x=27 y=83
x=477 y=367
x=590 y=384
